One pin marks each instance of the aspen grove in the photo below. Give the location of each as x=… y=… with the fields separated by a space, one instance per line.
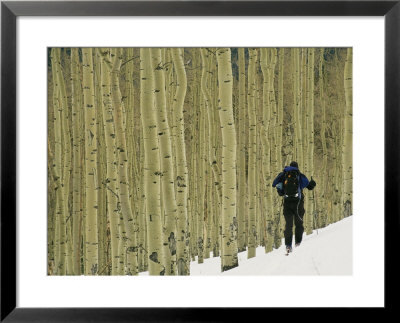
x=162 y=156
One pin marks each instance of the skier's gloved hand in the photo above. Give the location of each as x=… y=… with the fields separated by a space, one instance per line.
x=279 y=189
x=311 y=184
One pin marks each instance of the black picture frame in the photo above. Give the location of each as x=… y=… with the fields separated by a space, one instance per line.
x=10 y=10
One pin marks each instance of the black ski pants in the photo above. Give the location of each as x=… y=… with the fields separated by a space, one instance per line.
x=293 y=211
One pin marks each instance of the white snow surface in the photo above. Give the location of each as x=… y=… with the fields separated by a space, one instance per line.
x=327 y=251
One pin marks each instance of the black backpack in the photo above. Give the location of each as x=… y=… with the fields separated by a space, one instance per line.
x=291 y=183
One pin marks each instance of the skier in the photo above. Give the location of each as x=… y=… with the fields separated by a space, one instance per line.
x=290 y=184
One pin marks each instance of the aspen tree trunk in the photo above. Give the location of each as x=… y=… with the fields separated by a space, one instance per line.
x=52 y=194
x=91 y=241
x=126 y=210
x=275 y=167
x=77 y=170
x=218 y=150
x=170 y=89
x=339 y=141
x=204 y=106
x=101 y=171
x=193 y=200
x=142 y=257
x=111 y=182
x=138 y=168
x=132 y=143
x=266 y=145
x=51 y=207
x=197 y=179
x=193 y=177
x=209 y=209
x=210 y=157
x=66 y=159
x=152 y=167
x=301 y=120
x=251 y=79
x=323 y=170
x=83 y=181
x=167 y=167
x=58 y=258
x=182 y=251
x=60 y=241
x=259 y=181
x=297 y=111
x=281 y=57
x=302 y=107
x=66 y=63
x=242 y=154
x=310 y=138
x=59 y=227
x=216 y=130
x=201 y=183
x=229 y=222
x=347 y=152
x=305 y=128
x=209 y=175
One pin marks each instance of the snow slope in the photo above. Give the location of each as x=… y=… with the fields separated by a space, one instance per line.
x=328 y=252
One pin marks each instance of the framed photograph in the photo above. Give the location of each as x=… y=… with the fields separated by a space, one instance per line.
x=230 y=151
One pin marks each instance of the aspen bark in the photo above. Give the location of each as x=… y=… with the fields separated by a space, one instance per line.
x=152 y=167
x=266 y=145
x=242 y=154
x=300 y=111
x=281 y=58
x=259 y=153
x=310 y=138
x=182 y=251
x=323 y=170
x=77 y=170
x=339 y=114
x=201 y=182
x=66 y=158
x=229 y=222
x=91 y=239
x=347 y=151
x=133 y=150
x=298 y=105
x=124 y=182
x=101 y=172
x=275 y=167
x=251 y=104
x=209 y=157
x=111 y=182
x=60 y=241
x=59 y=259
x=167 y=167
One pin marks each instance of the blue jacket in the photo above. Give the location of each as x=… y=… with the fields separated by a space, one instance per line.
x=303 y=180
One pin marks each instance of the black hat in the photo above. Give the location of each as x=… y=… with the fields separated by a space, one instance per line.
x=294 y=164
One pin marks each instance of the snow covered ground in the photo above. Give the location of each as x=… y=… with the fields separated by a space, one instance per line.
x=327 y=253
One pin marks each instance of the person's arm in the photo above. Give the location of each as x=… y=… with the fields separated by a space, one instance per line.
x=303 y=181
x=311 y=184
x=277 y=180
